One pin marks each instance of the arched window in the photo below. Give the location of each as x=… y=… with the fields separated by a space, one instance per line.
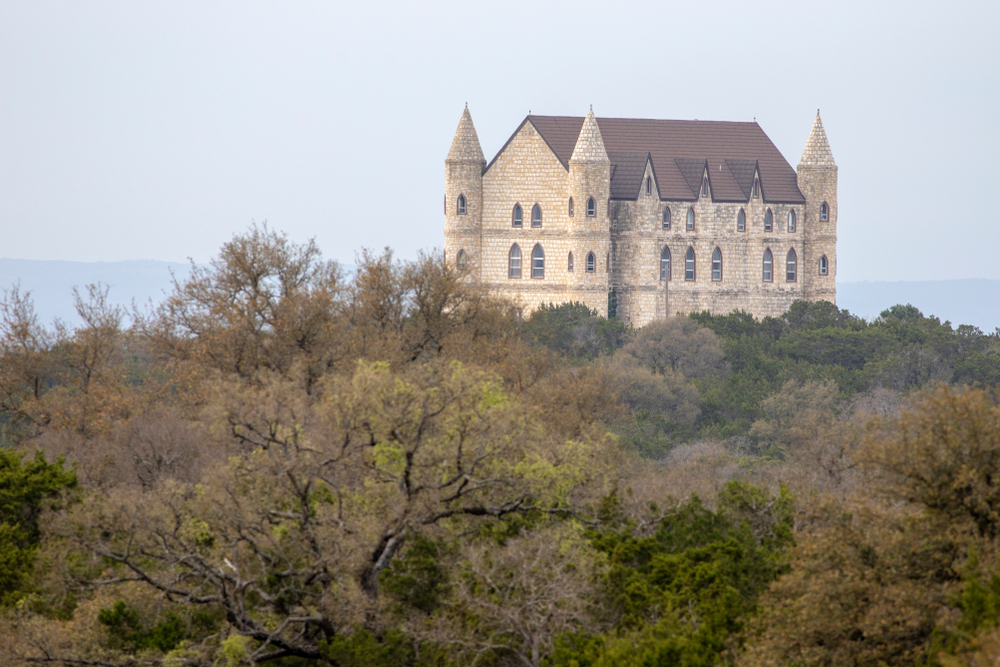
x=569 y=262
x=514 y=262
x=536 y=216
x=768 y=221
x=649 y=185
x=665 y=264
x=517 y=217
x=538 y=262
x=790 y=266
x=704 y=186
x=666 y=218
x=824 y=212
x=461 y=204
x=791 y=220
x=824 y=266
x=767 y=275
x=689 y=265
x=690 y=220
x=717 y=265
x=591 y=262
x=571 y=206
x=462 y=260
x=741 y=221
x=756 y=188
x=591 y=208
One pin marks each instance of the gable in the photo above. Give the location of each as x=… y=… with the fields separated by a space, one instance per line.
x=527 y=138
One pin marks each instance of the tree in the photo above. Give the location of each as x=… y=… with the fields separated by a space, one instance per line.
x=513 y=600
x=680 y=345
x=322 y=494
x=27 y=488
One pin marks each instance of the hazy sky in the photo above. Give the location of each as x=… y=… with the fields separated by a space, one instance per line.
x=156 y=130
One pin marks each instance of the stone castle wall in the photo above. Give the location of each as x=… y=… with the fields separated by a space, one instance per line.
x=528 y=173
x=639 y=238
x=627 y=237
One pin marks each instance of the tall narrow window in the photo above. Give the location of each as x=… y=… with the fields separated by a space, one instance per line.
x=791 y=220
x=790 y=266
x=690 y=220
x=607 y=262
x=538 y=262
x=717 y=265
x=689 y=265
x=591 y=208
x=461 y=204
x=741 y=221
x=756 y=188
x=516 y=217
x=767 y=275
x=824 y=266
x=514 y=262
x=462 y=260
x=571 y=207
x=768 y=221
x=536 y=216
x=569 y=263
x=704 y=186
x=666 y=218
x=665 y=264
x=649 y=185
x=824 y=212
x=591 y=262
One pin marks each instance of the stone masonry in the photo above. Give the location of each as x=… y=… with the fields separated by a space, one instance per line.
x=623 y=229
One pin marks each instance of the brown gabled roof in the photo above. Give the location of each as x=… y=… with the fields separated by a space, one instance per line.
x=729 y=149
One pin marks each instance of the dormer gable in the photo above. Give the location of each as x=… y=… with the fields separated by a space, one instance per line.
x=629 y=172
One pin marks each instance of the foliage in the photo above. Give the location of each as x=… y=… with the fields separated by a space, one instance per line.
x=910 y=568
x=27 y=488
x=682 y=592
x=288 y=465
x=574 y=331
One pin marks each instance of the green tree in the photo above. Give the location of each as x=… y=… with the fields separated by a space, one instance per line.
x=27 y=488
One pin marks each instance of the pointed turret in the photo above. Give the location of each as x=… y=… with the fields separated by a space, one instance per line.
x=817 y=152
x=465 y=146
x=463 y=198
x=817 y=178
x=590 y=146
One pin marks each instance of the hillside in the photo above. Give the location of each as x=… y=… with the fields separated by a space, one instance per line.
x=51 y=283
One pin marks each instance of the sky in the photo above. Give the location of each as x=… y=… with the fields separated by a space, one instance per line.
x=158 y=130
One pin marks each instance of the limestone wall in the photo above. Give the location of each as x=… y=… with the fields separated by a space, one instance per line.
x=639 y=238
x=528 y=173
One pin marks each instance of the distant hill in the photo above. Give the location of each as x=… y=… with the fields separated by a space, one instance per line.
x=972 y=301
x=975 y=302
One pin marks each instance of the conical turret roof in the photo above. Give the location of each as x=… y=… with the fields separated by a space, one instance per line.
x=590 y=145
x=465 y=146
x=817 y=152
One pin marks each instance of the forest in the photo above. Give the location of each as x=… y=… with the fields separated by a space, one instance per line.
x=287 y=464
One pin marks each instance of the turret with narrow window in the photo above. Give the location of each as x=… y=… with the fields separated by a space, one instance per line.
x=817 y=179
x=463 y=198
x=590 y=182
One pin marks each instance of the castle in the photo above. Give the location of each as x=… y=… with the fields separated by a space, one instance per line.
x=643 y=218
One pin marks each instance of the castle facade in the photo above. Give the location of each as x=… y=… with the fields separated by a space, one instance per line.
x=643 y=218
